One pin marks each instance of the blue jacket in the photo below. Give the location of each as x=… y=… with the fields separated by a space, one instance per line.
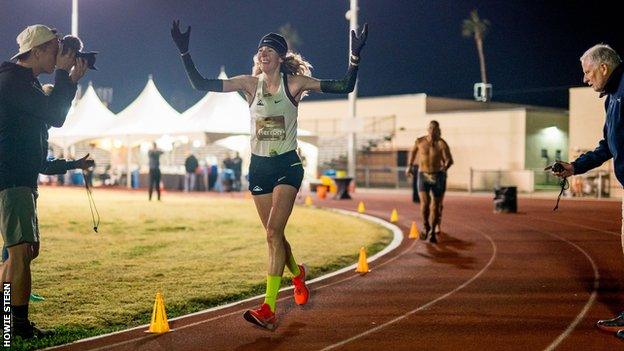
x=612 y=143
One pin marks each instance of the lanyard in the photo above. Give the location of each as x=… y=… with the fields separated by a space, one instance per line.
x=91 y=204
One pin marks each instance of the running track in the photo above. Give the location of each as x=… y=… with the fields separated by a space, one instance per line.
x=535 y=280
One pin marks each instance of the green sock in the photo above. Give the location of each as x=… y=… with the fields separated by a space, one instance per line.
x=273 y=285
x=292 y=265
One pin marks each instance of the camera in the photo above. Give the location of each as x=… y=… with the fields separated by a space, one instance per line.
x=558 y=167
x=555 y=167
x=71 y=42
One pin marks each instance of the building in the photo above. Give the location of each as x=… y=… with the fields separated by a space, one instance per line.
x=492 y=143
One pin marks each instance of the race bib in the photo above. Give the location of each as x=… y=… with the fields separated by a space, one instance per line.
x=271 y=128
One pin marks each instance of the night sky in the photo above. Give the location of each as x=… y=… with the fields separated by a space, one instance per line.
x=531 y=50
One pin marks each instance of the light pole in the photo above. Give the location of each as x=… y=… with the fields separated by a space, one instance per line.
x=352 y=16
x=74 y=24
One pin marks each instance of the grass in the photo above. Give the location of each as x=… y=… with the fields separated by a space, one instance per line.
x=200 y=251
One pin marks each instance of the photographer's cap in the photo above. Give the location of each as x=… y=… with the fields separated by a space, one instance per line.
x=33 y=36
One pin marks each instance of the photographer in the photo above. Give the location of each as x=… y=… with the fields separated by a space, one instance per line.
x=602 y=70
x=26 y=112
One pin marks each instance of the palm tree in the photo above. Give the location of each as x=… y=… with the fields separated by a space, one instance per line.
x=290 y=34
x=476 y=27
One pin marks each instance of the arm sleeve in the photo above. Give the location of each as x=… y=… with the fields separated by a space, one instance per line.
x=197 y=81
x=57 y=166
x=343 y=86
x=595 y=158
x=51 y=109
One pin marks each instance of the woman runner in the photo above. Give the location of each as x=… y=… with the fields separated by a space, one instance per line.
x=280 y=79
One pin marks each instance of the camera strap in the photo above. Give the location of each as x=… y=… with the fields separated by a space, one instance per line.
x=91 y=204
x=565 y=185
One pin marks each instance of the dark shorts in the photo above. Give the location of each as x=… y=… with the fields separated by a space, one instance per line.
x=432 y=182
x=265 y=173
x=18 y=216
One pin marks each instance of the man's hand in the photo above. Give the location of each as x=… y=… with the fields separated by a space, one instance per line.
x=85 y=163
x=409 y=172
x=79 y=70
x=180 y=39
x=65 y=61
x=568 y=170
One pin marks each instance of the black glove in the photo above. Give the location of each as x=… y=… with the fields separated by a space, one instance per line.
x=180 y=39
x=358 y=41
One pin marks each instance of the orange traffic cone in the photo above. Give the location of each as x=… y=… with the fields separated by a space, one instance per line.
x=321 y=192
x=308 y=200
x=394 y=217
x=414 y=231
x=362 y=266
x=159 y=324
x=361 y=208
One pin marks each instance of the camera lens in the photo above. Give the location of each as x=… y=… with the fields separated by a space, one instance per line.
x=558 y=168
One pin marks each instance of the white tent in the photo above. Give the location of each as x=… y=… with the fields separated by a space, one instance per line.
x=148 y=116
x=87 y=119
x=223 y=113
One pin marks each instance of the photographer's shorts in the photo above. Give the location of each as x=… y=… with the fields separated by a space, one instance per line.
x=434 y=182
x=265 y=173
x=18 y=216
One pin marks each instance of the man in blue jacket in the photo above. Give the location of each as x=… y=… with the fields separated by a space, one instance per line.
x=602 y=70
x=25 y=114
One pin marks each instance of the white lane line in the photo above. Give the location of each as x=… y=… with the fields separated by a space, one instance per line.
x=592 y=297
x=578 y=225
x=396 y=241
x=590 y=301
x=430 y=303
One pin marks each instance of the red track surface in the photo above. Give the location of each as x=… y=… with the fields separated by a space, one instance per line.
x=525 y=281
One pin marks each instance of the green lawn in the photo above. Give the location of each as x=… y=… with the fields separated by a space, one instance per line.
x=200 y=251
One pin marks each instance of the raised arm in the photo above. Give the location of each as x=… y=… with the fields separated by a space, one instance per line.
x=239 y=83
x=347 y=83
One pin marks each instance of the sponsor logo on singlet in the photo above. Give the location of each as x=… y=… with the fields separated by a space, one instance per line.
x=271 y=128
x=260 y=103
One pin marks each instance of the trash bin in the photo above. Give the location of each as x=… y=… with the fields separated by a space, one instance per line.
x=76 y=178
x=505 y=199
x=134 y=180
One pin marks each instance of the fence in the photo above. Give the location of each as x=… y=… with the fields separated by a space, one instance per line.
x=383 y=177
x=596 y=183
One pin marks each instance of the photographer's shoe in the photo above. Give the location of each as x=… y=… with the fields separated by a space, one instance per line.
x=616 y=324
x=27 y=329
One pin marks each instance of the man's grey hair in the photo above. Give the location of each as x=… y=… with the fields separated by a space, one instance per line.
x=601 y=54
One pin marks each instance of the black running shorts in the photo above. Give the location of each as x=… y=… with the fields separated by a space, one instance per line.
x=432 y=182
x=265 y=173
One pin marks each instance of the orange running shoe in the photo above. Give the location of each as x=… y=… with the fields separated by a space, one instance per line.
x=262 y=317
x=302 y=294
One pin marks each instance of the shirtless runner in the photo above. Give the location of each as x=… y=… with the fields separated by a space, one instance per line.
x=434 y=158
